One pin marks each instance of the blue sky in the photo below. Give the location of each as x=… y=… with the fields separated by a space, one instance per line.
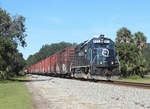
x=51 y=21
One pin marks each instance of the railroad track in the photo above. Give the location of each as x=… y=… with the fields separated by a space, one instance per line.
x=119 y=83
x=127 y=84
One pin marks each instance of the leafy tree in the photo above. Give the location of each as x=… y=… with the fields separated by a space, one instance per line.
x=129 y=49
x=12 y=27
x=124 y=35
x=12 y=34
x=6 y=49
x=127 y=53
x=146 y=56
x=140 y=40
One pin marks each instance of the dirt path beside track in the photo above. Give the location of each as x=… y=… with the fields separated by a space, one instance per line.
x=58 y=93
x=38 y=101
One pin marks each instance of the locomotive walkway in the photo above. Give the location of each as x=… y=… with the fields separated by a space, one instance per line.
x=58 y=93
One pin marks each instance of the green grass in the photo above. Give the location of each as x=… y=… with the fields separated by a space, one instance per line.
x=135 y=79
x=14 y=95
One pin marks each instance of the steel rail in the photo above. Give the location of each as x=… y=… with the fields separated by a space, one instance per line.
x=127 y=84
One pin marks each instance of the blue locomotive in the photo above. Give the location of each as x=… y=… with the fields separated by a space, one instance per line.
x=96 y=59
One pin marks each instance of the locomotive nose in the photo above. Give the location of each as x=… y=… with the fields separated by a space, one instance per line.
x=99 y=56
x=102 y=56
x=105 y=52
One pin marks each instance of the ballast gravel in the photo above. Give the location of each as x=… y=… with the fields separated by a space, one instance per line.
x=60 y=93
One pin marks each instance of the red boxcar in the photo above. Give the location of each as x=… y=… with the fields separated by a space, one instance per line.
x=32 y=68
x=47 y=65
x=53 y=64
x=59 y=63
x=43 y=66
x=40 y=66
x=29 y=69
x=36 y=68
x=64 y=60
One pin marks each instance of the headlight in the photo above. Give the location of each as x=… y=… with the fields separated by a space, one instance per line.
x=112 y=62
x=101 y=62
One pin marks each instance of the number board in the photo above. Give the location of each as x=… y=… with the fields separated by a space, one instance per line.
x=101 y=41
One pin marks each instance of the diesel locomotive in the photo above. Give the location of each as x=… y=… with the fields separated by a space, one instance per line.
x=96 y=59
x=93 y=59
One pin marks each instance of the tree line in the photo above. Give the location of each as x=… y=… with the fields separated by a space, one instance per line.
x=12 y=35
x=46 y=51
x=132 y=54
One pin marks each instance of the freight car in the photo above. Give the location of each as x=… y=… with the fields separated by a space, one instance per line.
x=92 y=59
x=58 y=64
